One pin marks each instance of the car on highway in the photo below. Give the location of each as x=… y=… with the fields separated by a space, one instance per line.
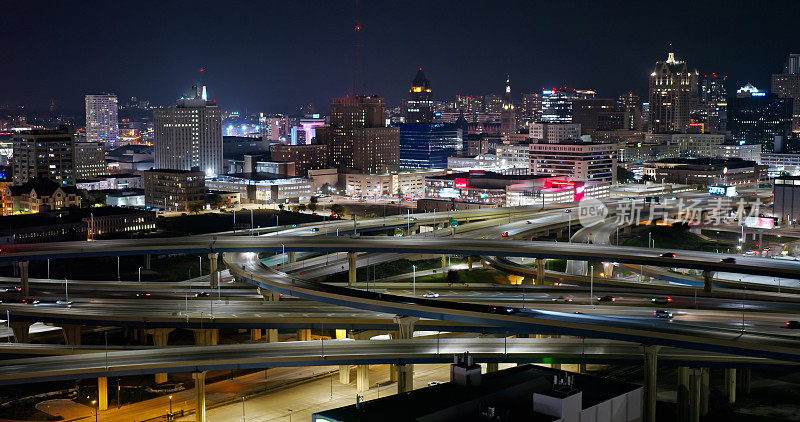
x=662 y=300
x=668 y=255
x=25 y=300
x=563 y=299
x=314 y=229
x=431 y=295
x=203 y=294
x=793 y=324
x=63 y=302
x=142 y=294
x=606 y=298
x=432 y=383
x=662 y=313
x=502 y=310
x=728 y=260
x=528 y=222
x=504 y=234
x=11 y=289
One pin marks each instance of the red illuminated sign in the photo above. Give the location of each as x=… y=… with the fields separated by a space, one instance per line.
x=460 y=182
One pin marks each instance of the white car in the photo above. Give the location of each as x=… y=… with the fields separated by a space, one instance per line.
x=431 y=295
x=432 y=383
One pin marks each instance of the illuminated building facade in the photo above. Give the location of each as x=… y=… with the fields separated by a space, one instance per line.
x=508 y=117
x=189 y=136
x=631 y=106
x=575 y=160
x=670 y=95
x=756 y=117
x=419 y=107
x=358 y=138
x=45 y=154
x=90 y=160
x=102 y=124
x=428 y=145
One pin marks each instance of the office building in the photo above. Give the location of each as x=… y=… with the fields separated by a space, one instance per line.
x=787 y=86
x=735 y=150
x=406 y=184
x=670 y=96
x=428 y=145
x=557 y=105
x=90 y=160
x=263 y=188
x=515 y=156
x=189 y=135
x=111 y=182
x=575 y=160
x=688 y=144
x=786 y=196
x=357 y=138
x=508 y=117
x=706 y=171
x=597 y=114
x=102 y=124
x=757 y=117
x=47 y=154
x=174 y=190
x=631 y=106
x=530 y=108
x=493 y=103
x=555 y=132
x=419 y=106
x=304 y=157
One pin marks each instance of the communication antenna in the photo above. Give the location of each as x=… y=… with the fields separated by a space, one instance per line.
x=358 y=65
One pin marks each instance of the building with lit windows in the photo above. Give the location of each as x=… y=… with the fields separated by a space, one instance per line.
x=787 y=85
x=419 y=106
x=786 y=195
x=706 y=171
x=409 y=184
x=263 y=188
x=575 y=160
x=670 y=96
x=757 y=117
x=102 y=124
x=631 y=106
x=174 y=190
x=555 y=132
x=39 y=195
x=189 y=135
x=47 y=154
x=304 y=157
x=597 y=114
x=508 y=117
x=428 y=145
x=90 y=160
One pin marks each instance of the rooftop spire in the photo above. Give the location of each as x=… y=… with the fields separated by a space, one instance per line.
x=670 y=55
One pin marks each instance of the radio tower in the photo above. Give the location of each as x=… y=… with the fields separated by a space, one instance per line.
x=358 y=65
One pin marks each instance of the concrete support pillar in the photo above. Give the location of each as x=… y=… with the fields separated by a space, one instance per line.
x=213 y=274
x=405 y=326
x=744 y=381
x=23 y=278
x=344 y=374
x=705 y=391
x=271 y=335
x=730 y=384
x=304 y=335
x=160 y=336
x=351 y=271
x=469 y=262
x=102 y=393
x=392 y=373
x=540 y=263
x=492 y=367
x=72 y=334
x=292 y=257
x=362 y=378
x=21 y=330
x=683 y=394
x=200 y=396
x=255 y=334
x=147 y=262
x=650 y=389
x=708 y=280
x=405 y=378
x=695 y=381
x=206 y=336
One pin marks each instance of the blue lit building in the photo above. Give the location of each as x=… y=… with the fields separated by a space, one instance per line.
x=428 y=145
x=757 y=117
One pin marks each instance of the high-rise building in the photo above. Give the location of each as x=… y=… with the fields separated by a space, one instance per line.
x=102 y=124
x=358 y=138
x=530 y=108
x=429 y=145
x=46 y=154
x=508 y=117
x=757 y=117
x=189 y=135
x=174 y=190
x=90 y=160
x=556 y=106
x=792 y=66
x=670 y=96
x=304 y=157
x=631 y=106
x=470 y=105
x=787 y=85
x=575 y=160
x=419 y=107
x=714 y=102
x=595 y=114
x=493 y=103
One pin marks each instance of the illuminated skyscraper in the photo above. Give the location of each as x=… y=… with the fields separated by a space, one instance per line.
x=419 y=107
x=508 y=117
x=358 y=138
x=102 y=124
x=631 y=106
x=189 y=135
x=670 y=95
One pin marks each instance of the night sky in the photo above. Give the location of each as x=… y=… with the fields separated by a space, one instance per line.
x=276 y=56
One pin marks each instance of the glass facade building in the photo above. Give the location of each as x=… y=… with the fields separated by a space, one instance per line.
x=428 y=145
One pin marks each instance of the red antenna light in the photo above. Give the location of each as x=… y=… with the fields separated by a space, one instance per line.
x=201 y=69
x=358 y=28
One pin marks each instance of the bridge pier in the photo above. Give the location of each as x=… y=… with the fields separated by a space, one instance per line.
x=730 y=384
x=708 y=280
x=271 y=335
x=304 y=334
x=682 y=394
x=102 y=393
x=469 y=262
x=23 y=278
x=362 y=378
x=292 y=257
x=704 y=391
x=405 y=372
x=206 y=336
x=344 y=374
x=21 y=331
x=147 y=262
x=540 y=263
x=72 y=334
x=743 y=381
x=405 y=378
x=160 y=339
x=200 y=396
x=255 y=334
x=650 y=387
x=213 y=274
x=695 y=383
x=351 y=270
x=492 y=367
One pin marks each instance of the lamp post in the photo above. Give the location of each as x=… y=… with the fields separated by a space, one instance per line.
x=96 y=409
x=169 y=418
x=591 y=285
x=414 y=279
x=243 y=419
x=66 y=290
x=140 y=274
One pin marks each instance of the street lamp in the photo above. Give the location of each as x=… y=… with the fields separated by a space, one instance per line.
x=243 y=419
x=169 y=418
x=96 y=409
x=140 y=274
x=414 y=279
x=591 y=285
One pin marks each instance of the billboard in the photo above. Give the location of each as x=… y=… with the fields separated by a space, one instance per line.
x=449 y=193
x=722 y=190
x=580 y=191
x=759 y=223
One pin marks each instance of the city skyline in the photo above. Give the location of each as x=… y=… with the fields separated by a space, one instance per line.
x=246 y=69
